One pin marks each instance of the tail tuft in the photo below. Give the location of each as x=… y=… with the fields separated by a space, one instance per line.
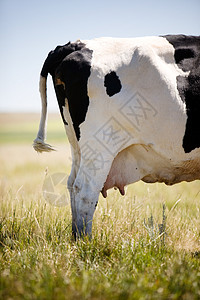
x=40 y=146
x=39 y=143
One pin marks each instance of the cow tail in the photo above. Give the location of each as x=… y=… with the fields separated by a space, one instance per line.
x=39 y=143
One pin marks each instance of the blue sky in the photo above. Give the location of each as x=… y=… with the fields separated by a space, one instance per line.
x=30 y=29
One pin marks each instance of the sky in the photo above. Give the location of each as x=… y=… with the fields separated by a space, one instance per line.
x=29 y=29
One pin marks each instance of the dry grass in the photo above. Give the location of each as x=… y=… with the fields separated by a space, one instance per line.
x=38 y=259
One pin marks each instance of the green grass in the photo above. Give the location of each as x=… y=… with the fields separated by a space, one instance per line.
x=124 y=260
x=22 y=128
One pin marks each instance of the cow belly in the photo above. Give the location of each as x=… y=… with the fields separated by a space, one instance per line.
x=141 y=162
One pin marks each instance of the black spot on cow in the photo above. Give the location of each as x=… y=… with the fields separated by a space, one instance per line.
x=60 y=94
x=187 y=56
x=74 y=71
x=56 y=56
x=112 y=84
x=70 y=65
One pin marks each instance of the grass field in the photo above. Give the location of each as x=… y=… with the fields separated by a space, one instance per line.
x=146 y=245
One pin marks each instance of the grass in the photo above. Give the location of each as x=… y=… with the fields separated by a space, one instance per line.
x=126 y=259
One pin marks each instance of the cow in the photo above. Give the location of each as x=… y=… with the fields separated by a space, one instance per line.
x=131 y=111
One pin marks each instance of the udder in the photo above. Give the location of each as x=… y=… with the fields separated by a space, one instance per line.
x=142 y=162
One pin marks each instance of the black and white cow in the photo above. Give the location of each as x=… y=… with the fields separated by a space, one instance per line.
x=131 y=110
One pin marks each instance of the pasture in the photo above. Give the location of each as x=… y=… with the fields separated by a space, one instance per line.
x=145 y=245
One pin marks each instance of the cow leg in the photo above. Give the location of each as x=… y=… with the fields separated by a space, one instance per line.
x=86 y=203
x=75 y=152
x=70 y=184
x=89 y=182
